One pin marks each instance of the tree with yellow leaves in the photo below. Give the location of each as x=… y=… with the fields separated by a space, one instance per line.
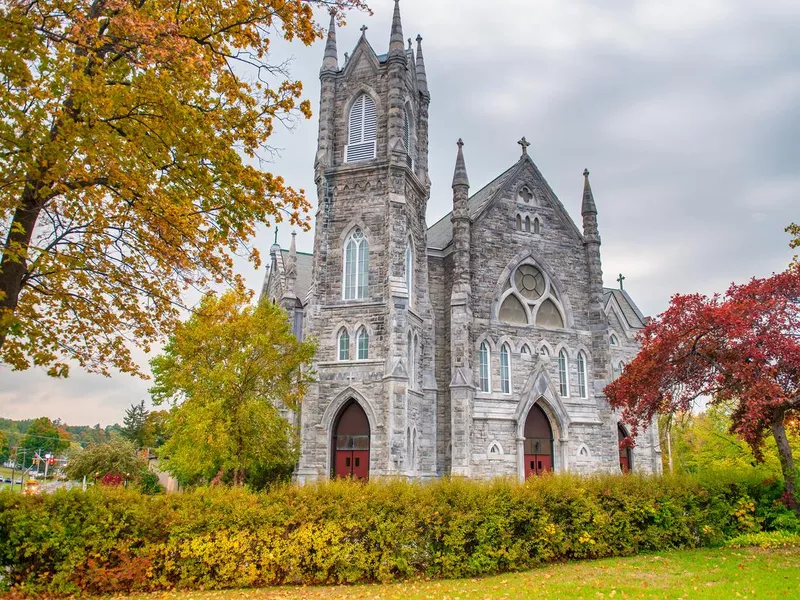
x=228 y=372
x=130 y=146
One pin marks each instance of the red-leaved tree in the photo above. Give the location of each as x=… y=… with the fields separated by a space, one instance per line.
x=742 y=348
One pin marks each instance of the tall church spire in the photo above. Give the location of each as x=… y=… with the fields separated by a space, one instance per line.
x=588 y=206
x=422 y=77
x=396 y=45
x=460 y=174
x=331 y=60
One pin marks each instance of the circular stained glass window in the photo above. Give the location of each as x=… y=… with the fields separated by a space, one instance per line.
x=530 y=282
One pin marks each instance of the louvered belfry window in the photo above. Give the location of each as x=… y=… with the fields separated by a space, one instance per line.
x=363 y=130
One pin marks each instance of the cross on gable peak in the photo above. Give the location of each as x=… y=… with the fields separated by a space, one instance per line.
x=364 y=30
x=620 y=280
x=524 y=143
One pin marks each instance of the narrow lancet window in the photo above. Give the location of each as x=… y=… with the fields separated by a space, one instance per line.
x=563 y=374
x=582 y=375
x=344 y=345
x=485 y=382
x=362 y=341
x=505 y=369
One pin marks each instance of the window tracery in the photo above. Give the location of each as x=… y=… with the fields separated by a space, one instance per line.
x=528 y=297
x=356 y=266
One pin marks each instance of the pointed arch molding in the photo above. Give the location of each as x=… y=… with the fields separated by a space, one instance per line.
x=526 y=255
x=336 y=405
x=539 y=388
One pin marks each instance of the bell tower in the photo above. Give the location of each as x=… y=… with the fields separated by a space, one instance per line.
x=368 y=306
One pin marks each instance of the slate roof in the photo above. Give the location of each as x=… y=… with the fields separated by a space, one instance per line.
x=440 y=234
x=632 y=314
x=304 y=266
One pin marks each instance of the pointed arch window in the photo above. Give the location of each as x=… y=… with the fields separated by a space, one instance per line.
x=362 y=130
x=485 y=374
x=527 y=224
x=505 y=369
x=356 y=266
x=582 y=375
x=344 y=345
x=410 y=271
x=613 y=340
x=362 y=344
x=519 y=222
x=525 y=350
x=412 y=376
x=563 y=374
x=537 y=226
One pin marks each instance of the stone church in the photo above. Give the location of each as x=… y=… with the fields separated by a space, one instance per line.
x=478 y=346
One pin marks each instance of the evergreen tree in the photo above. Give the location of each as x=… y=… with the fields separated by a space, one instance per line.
x=134 y=424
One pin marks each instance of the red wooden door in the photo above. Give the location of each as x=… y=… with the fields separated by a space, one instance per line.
x=351 y=443
x=344 y=463
x=625 y=454
x=537 y=464
x=624 y=463
x=361 y=464
x=538 y=445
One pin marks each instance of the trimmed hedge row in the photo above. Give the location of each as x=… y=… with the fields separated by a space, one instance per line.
x=114 y=540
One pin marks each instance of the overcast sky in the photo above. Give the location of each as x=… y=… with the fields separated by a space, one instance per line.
x=686 y=112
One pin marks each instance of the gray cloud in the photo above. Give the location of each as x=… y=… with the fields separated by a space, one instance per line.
x=685 y=112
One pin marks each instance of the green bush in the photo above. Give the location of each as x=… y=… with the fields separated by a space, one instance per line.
x=765 y=539
x=118 y=541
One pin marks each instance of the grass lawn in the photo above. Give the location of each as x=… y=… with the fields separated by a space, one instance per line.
x=714 y=574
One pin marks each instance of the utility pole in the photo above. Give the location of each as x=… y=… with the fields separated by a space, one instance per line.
x=14 y=467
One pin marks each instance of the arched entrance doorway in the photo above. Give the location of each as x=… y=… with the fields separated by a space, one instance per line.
x=625 y=453
x=351 y=443
x=538 y=446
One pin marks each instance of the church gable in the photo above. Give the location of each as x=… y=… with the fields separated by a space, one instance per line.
x=528 y=203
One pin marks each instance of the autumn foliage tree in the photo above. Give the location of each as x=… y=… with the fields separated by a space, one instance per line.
x=227 y=372
x=741 y=348
x=131 y=141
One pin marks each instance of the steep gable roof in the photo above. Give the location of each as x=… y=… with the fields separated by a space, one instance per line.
x=440 y=234
x=305 y=263
x=630 y=311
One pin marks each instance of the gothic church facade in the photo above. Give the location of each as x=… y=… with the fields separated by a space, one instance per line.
x=478 y=346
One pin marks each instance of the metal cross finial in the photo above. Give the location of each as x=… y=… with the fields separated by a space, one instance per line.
x=364 y=30
x=276 y=236
x=620 y=279
x=586 y=172
x=524 y=143
x=460 y=142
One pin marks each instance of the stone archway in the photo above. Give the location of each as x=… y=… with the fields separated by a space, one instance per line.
x=538 y=447
x=350 y=442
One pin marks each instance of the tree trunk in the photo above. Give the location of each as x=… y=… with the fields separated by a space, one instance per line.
x=13 y=263
x=787 y=461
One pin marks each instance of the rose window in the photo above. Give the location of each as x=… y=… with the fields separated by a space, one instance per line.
x=528 y=298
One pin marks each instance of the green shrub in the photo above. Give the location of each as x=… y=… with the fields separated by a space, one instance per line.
x=147 y=483
x=765 y=539
x=106 y=541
